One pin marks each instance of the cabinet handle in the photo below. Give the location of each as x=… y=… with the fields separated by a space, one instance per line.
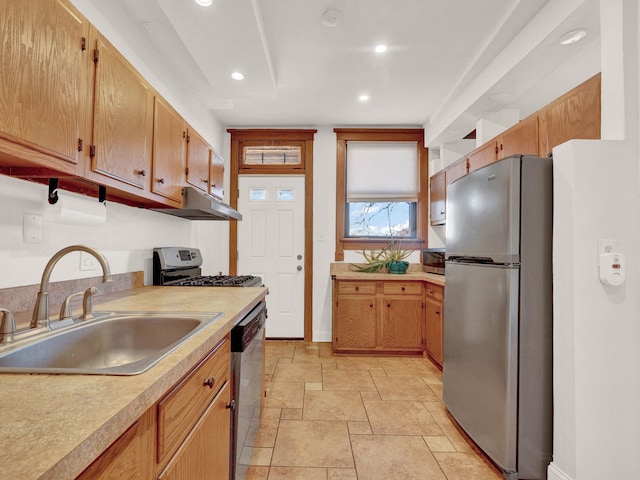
x=437 y=312
x=371 y=305
x=204 y=180
x=232 y=404
x=431 y=292
x=142 y=173
x=357 y=289
x=209 y=382
x=160 y=180
x=388 y=305
x=403 y=288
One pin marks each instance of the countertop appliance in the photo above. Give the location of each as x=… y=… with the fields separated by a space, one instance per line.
x=247 y=357
x=497 y=373
x=433 y=260
x=180 y=266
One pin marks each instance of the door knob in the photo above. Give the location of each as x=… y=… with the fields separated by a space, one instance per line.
x=299 y=267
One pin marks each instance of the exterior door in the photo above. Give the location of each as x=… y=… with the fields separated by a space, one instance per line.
x=271 y=245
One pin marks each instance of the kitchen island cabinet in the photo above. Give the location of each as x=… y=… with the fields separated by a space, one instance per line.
x=91 y=412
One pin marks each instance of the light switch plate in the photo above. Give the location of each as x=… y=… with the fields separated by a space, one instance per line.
x=32 y=228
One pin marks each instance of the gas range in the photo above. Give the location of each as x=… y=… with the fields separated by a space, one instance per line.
x=180 y=266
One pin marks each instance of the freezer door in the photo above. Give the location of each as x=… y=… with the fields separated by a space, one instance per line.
x=483 y=213
x=480 y=346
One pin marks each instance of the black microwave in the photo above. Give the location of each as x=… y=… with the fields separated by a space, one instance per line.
x=433 y=260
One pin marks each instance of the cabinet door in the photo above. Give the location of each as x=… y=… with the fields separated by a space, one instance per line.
x=574 y=115
x=354 y=323
x=520 y=139
x=434 y=329
x=216 y=176
x=482 y=156
x=204 y=455
x=130 y=456
x=402 y=322
x=122 y=119
x=456 y=170
x=169 y=144
x=43 y=82
x=437 y=198
x=198 y=157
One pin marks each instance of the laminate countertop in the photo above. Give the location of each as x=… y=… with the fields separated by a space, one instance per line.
x=342 y=271
x=54 y=426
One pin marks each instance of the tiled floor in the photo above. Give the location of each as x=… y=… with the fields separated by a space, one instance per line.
x=357 y=418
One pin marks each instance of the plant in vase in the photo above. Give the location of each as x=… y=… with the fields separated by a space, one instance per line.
x=391 y=259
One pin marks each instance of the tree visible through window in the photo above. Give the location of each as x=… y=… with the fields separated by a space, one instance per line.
x=381 y=219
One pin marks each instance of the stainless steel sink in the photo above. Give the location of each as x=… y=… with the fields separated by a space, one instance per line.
x=118 y=343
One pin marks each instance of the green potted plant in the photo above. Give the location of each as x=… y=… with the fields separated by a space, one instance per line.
x=391 y=258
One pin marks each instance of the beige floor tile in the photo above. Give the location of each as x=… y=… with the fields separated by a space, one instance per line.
x=341 y=474
x=270 y=364
x=408 y=367
x=359 y=428
x=385 y=418
x=381 y=457
x=404 y=388
x=334 y=405
x=284 y=395
x=329 y=365
x=257 y=473
x=297 y=473
x=450 y=430
x=433 y=379
x=302 y=443
x=266 y=437
x=298 y=372
x=291 y=414
x=279 y=349
x=347 y=380
x=325 y=350
x=313 y=386
x=358 y=363
x=437 y=390
x=439 y=444
x=370 y=396
x=465 y=466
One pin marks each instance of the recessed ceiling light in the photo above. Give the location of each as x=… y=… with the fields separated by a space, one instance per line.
x=237 y=76
x=381 y=48
x=204 y=3
x=363 y=98
x=573 y=36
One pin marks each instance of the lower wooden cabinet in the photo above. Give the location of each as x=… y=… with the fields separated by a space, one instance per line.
x=378 y=317
x=184 y=436
x=433 y=324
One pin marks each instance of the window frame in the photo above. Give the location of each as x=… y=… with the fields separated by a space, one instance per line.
x=345 y=135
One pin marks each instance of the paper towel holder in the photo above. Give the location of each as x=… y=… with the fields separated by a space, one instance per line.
x=52 y=198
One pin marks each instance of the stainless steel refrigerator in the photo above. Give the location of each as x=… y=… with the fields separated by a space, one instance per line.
x=497 y=331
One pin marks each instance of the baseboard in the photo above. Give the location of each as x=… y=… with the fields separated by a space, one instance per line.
x=555 y=473
x=322 y=336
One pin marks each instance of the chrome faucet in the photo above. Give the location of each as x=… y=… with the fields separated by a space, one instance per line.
x=41 y=310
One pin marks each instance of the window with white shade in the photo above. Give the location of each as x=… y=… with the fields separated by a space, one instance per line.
x=381 y=189
x=382 y=182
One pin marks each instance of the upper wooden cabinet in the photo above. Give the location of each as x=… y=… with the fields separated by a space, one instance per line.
x=521 y=139
x=574 y=115
x=438 y=197
x=122 y=119
x=198 y=158
x=216 y=175
x=169 y=150
x=43 y=70
x=481 y=156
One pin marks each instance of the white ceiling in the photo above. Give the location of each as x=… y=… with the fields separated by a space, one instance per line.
x=299 y=72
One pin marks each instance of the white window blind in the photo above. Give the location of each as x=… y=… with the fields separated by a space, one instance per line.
x=382 y=171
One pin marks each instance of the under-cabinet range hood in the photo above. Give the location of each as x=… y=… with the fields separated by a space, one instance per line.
x=198 y=205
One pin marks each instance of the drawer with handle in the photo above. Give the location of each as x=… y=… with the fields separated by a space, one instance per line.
x=403 y=288
x=435 y=291
x=356 y=288
x=181 y=408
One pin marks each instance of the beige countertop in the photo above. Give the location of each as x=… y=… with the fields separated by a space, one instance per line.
x=341 y=271
x=53 y=426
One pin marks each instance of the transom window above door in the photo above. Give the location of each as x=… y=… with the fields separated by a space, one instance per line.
x=272 y=154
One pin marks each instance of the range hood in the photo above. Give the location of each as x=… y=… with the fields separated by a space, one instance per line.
x=198 y=205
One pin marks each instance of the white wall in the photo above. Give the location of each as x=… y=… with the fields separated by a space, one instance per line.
x=597 y=328
x=126 y=238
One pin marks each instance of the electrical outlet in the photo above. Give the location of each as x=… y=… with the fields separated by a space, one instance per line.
x=88 y=261
x=607 y=245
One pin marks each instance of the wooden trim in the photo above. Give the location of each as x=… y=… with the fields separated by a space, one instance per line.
x=343 y=135
x=237 y=136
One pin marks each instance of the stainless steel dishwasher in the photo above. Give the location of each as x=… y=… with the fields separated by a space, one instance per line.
x=247 y=357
